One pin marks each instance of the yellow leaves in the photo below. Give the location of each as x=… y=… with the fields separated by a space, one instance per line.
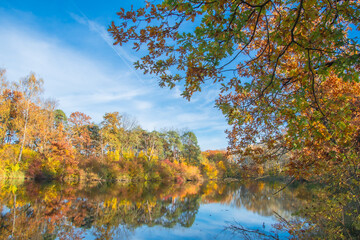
x=114 y=156
x=249 y=118
x=9 y=152
x=210 y=170
x=52 y=165
x=12 y=189
x=128 y=154
x=15 y=167
x=49 y=194
x=151 y=203
x=151 y=153
x=142 y=155
x=113 y=203
x=210 y=189
x=221 y=165
x=260 y=170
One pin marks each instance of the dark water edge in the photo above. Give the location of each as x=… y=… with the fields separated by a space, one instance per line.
x=144 y=210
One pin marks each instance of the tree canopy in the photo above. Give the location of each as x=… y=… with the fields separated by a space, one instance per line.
x=294 y=64
x=287 y=72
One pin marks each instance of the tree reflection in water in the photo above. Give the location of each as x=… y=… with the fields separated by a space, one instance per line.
x=111 y=211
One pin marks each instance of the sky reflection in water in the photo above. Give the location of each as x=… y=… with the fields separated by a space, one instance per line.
x=141 y=211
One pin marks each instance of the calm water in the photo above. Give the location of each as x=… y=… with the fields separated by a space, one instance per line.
x=143 y=211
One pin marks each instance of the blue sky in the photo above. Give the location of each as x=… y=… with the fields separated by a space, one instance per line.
x=65 y=42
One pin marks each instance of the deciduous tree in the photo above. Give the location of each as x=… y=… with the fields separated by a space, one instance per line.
x=272 y=60
x=30 y=87
x=112 y=131
x=80 y=134
x=191 y=150
x=288 y=78
x=172 y=145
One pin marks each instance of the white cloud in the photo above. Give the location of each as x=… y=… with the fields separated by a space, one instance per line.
x=82 y=82
x=142 y=105
x=176 y=92
x=102 y=32
x=23 y=52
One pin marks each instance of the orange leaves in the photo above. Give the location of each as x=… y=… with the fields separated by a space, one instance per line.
x=60 y=160
x=80 y=133
x=62 y=148
x=79 y=119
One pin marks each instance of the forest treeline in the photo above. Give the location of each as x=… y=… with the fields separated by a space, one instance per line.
x=39 y=141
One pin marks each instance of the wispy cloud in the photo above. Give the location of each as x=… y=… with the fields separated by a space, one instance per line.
x=83 y=82
x=103 y=33
x=101 y=30
x=68 y=74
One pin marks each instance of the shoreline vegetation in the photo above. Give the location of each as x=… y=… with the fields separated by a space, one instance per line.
x=38 y=141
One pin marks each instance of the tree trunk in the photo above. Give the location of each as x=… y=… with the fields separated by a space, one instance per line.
x=24 y=134
x=14 y=217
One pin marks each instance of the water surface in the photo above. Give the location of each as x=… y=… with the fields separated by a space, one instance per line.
x=144 y=210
